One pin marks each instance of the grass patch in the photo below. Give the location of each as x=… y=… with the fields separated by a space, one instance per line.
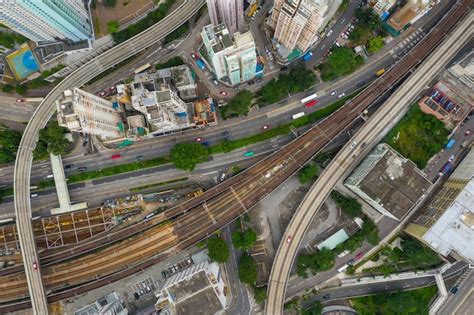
x=137 y=189
x=118 y=169
x=418 y=136
x=401 y=302
x=45 y=184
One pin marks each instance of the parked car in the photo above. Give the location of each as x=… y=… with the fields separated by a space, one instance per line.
x=359 y=256
x=341 y=95
x=454 y=290
x=82 y=168
x=116 y=156
x=215 y=82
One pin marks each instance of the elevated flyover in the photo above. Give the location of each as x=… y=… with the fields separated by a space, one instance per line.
x=372 y=131
x=44 y=112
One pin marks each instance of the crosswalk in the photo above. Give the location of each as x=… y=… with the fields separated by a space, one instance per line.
x=408 y=43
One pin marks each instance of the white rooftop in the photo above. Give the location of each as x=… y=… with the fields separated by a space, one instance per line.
x=454 y=230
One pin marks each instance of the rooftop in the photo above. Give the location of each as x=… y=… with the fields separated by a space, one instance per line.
x=454 y=230
x=219 y=37
x=389 y=179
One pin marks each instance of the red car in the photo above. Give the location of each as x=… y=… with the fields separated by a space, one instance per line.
x=359 y=256
x=116 y=156
x=288 y=239
x=194 y=56
x=311 y=103
x=35 y=265
x=468 y=132
x=223 y=93
x=20 y=100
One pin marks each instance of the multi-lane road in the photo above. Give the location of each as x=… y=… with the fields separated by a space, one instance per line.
x=380 y=122
x=40 y=118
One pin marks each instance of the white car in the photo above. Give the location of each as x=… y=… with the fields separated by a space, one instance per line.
x=333 y=93
x=341 y=95
x=353 y=145
x=329 y=33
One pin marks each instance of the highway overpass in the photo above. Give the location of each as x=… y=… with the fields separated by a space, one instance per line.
x=392 y=110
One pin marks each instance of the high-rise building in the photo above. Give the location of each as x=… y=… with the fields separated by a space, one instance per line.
x=161 y=105
x=81 y=111
x=235 y=60
x=382 y=6
x=297 y=22
x=48 y=20
x=230 y=12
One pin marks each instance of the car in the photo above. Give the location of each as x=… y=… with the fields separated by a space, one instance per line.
x=20 y=100
x=265 y=127
x=288 y=239
x=35 y=265
x=359 y=255
x=224 y=133
x=325 y=297
x=116 y=156
x=69 y=166
x=341 y=95
x=34 y=195
x=468 y=132
x=215 y=82
x=135 y=294
x=194 y=56
x=139 y=158
x=337 y=44
x=223 y=93
x=451 y=158
x=82 y=168
x=102 y=93
x=222 y=177
x=205 y=143
x=198 y=139
x=360 y=84
x=329 y=33
x=333 y=93
x=454 y=290
x=353 y=145
x=112 y=88
x=351 y=262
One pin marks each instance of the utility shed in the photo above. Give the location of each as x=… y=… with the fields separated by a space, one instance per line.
x=388 y=182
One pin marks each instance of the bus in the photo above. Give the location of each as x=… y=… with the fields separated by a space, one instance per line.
x=142 y=68
x=380 y=72
x=343 y=268
x=309 y=98
x=296 y=116
x=34 y=99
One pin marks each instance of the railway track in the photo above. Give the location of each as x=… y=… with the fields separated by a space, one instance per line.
x=199 y=217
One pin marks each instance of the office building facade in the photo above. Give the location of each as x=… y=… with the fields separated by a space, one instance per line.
x=80 y=111
x=235 y=60
x=297 y=22
x=48 y=20
x=230 y=12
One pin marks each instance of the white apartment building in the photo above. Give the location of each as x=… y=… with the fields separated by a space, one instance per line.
x=198 y=289
x=229 y=12
x=48 y=20
x=382 y=6
x=162 y=107
x=297 y=22
x=80 y=111
x=235 y=60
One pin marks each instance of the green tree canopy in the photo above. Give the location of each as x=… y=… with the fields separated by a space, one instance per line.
x=361 y=34
x=368 y=17
x=308 y=173
x=113 y=27
x=348 y=205
x=110 y=3
x=247 y=269
x=316 y=309
x=218 y=249
x=239 y=105
x=260 y=294
x=375 y=44
x=244 y=239
x=53 y=137
x=9 y=142
x=320 y=261
x=185 y=156
x=342 y=61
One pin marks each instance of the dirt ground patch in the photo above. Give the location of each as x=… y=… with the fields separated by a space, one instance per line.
x=123 y=12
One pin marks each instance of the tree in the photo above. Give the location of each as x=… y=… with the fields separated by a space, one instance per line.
x=113 y=27
x=315 y=309
x=218 y=249
x=8 y=88
x=21 y=89
x=368 y=17
x=110 y=3
x=349 y=206
x=244 y=239
x=185 y=156
x=238 y=105
x=53 y=136
x=342 y=61
x=361 y=34
x=320 y=261
x=375 y=44
x=260 y=294
x=247 y=269
x=308 y=173
x=9 y=141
